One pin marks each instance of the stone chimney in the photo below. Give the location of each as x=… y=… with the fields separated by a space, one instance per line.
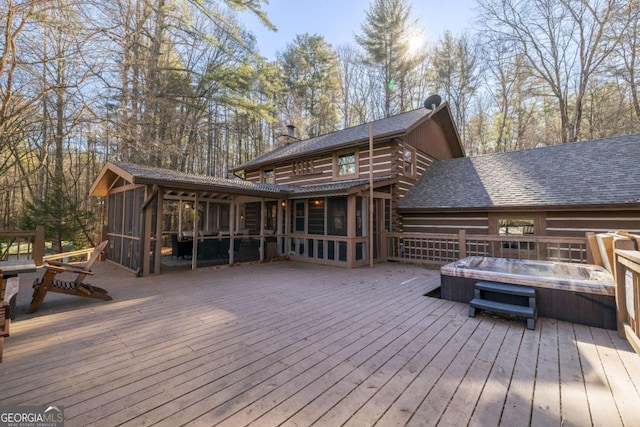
x=287 y=138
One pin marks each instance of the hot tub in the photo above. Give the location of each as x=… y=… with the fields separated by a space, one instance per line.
x=578 y=293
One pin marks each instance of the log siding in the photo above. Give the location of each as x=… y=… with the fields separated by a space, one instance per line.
x=550 y=223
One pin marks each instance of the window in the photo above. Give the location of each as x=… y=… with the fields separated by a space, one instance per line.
x=408 y=157
x=346 y=164
x=269 y=176
x=520 y=227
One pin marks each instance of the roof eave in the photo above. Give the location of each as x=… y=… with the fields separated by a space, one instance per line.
x=342 y=191
x=517 y=208
x=168 y=184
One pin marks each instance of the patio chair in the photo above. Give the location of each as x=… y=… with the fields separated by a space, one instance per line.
x=50 y=283
x=181 y=248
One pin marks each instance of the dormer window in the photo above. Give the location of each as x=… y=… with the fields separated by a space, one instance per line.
x=268 y=176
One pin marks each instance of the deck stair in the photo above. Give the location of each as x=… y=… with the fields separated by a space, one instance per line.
x=483 y=290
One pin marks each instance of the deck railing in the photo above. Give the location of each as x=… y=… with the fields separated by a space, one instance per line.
x=439 y=249
x=22 y=245
x=628 y=295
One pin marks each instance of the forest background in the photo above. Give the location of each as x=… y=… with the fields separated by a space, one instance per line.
x=179 y=84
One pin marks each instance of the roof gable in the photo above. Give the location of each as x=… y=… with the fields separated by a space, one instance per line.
x=396 y=125
x=592 y=173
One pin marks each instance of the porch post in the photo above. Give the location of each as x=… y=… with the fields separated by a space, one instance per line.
x=279 y=231
x=383 y=231
x=371 y=206
x=287 y=226
x=145 y=231
x=262 y=218
x=232 y=222
x=194 y=241
x=462 y=243
x=159 y=226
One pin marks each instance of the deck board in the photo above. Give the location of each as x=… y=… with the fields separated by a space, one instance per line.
x=290 y=343
x=546 y=395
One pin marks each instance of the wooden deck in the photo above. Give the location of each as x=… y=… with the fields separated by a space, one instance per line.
x=300 y=344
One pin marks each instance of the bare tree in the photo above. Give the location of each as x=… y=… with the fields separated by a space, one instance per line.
x=629 y=54
x=565 y=42
x=20 y=83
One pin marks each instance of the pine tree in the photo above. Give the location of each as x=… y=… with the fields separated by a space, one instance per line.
x=309 y=70
x=386 y=37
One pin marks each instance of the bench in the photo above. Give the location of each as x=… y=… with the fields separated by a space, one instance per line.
x=482 y=302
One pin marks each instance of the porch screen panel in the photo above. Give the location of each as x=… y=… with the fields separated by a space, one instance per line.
x=316 y=216
x=129 y=213
x=360 y=216
x=297 y=213
x=225 y=213
x=117 y=249
x=337 y=216
x=118 y=213
x=137 y=212
x=387 y=215
x=252 y=217
x=111 y=224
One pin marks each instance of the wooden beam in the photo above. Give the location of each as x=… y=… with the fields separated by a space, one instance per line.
x=159 y=217
x=593 y=253
x=371 y=205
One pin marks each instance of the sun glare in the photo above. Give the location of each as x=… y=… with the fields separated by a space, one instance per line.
x=416 y=44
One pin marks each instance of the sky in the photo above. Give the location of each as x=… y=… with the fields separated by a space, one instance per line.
x=339 y=20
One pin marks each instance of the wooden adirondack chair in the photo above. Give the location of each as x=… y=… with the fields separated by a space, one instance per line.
x=50 y=282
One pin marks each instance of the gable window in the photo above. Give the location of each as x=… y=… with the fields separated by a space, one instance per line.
x=409 y=160
x=346 y=165
x=268 y=176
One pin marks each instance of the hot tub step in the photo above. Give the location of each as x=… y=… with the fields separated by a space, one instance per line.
x=504 y=288
x=524 y=310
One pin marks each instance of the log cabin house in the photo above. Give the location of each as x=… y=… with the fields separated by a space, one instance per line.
x=327 y=199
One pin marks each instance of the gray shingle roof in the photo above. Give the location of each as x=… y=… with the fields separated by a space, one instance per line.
x=333 y=187
x=389 y=126
x=148 y=174
x=600 y=172
x=152 y=175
